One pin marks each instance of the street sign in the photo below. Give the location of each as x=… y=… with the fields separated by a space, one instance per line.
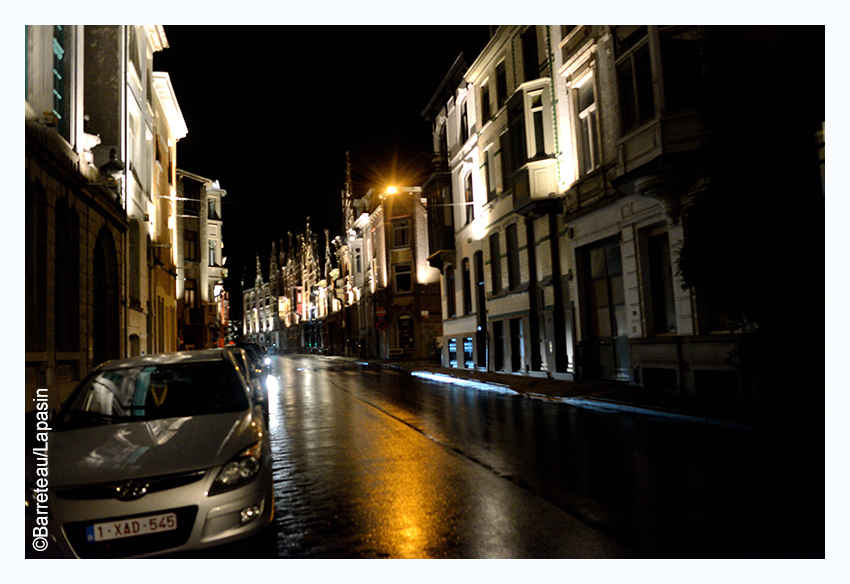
x=380 y=312
x=381 y=325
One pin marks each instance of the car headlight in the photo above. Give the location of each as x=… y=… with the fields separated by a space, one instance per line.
x=240 y=470
x=267 y=361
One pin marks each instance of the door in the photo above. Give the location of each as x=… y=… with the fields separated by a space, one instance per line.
x=605 y=349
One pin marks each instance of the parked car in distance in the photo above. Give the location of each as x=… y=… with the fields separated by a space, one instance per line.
x=157 y=454
x=252 y=374
x=261 y=362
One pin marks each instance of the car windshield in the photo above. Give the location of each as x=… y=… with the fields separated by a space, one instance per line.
x=154 y=392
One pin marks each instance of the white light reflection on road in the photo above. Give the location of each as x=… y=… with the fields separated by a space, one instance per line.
x=464 y=382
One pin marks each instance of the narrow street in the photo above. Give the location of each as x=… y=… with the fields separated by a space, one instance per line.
x=372 y=463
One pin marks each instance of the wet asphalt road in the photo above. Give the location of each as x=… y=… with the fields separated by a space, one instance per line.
x=372 y=463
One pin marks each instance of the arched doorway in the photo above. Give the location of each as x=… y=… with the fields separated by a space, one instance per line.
x=105 y=327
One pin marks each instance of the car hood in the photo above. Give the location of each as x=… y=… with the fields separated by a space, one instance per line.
x=149 y=448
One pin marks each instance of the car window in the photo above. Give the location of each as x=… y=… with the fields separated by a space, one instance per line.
x=154 y=392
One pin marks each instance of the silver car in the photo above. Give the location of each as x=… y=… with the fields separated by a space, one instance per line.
x=158 y=454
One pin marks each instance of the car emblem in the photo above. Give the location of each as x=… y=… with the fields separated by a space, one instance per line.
x=131 y=490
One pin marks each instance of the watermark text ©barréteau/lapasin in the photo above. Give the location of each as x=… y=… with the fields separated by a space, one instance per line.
x=39 y=452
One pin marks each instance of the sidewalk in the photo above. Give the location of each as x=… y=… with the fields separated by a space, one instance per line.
x=608 y=396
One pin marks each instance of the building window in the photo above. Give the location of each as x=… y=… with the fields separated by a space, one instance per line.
x=403 y=279
x=452 y=352
x=451 y=304
x=469 y=205
x=661 y=297
x=212 y=250
x=536 y=107
x=358 y=260
x=464 y=122
x=531 y=64
x=467 y=353
x=504 y=146
x=490 y=173
x=467 y=287
x=513 y=256
x=496 y=262
x=190 y=253
x=516 y=142
x=190 y=297
x=401 y=233
x=485 y=103
x=501 y=84
x=634 y=76
x=587 y=134
x=444 y=148
x=212 y=213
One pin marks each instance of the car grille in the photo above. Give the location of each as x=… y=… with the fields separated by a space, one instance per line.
x=110 y=490
x=131 y=546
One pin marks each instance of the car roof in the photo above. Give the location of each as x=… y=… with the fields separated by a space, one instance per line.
x=179 y=357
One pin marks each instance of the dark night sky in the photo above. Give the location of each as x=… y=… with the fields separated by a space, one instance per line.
x=271 y=112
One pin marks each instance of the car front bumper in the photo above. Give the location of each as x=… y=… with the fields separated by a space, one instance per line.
x=202 y=521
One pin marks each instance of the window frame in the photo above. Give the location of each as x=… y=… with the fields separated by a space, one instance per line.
x=467 y=286
x=451 y=299
x=512 y=244
x=495 y=262
x=501 y=83
x=587 y=142
x=637 y=112
x=468 y=199
x=404 y=270
x=401 y=233
x=486 y=110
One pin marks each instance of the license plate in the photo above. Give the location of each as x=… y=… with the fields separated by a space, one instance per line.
x=131 y=527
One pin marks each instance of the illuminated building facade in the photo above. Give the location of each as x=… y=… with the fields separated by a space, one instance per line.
x=101 y=134
x=75 y=215
x=395 y=290
x=287 y=312
x=568 y=156
x=168 y=127
x=201 y=301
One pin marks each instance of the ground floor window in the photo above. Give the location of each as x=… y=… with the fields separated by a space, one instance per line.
x=452 y=352
x=469 y=363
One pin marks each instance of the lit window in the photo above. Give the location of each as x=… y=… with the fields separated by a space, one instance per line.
x=536 y=107
x=586 y=125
